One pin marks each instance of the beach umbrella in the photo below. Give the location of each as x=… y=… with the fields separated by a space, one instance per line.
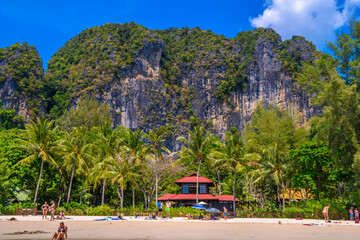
x=199 y=207
x=202 y=203
x=212 y=210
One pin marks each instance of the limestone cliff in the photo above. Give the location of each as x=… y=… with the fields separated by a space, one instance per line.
x=173 y=78
x=21 y=74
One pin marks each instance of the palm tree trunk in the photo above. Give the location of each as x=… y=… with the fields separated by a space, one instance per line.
x=234 y=193
x=121 y=195
x=262 y=200
x=38 y=183
x=278 y=196
x=156 y=178
x=70 y=185
x=197 y=182
x=133 y=197
x=82 y=192
x=103 y=193
x=219 y=181
x=283 y=200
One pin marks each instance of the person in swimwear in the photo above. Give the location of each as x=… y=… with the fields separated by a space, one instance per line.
x=45 y=208
x=356 y=214
x=52 y=211
x=168 y=206
x=225 y=213
x=61 y=215
x=351 y=211
x=61 y=233
x=326 y=213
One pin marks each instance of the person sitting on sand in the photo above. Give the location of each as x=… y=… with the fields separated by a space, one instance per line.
x=181 y=214
x=351 y=211
x=356 y=214
x=326 y=213
x=62 y=231
x=61 y=215
x=206 y=217
x=52 y=211
x=45 y=209
x=189 y=216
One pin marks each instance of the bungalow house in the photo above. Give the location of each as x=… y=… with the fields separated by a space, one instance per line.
x=187 y=197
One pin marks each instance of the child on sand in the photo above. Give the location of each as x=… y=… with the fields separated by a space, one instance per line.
x=45 y=208
x=61 y=233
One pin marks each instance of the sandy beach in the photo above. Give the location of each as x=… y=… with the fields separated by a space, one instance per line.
x=86 y=228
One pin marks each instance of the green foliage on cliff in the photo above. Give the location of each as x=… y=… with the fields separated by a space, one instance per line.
x=92 y=58
x=22 y=63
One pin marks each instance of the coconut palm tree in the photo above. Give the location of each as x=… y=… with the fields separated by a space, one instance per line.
x=76 y=150
x=119 y=170
x=108 y=143
x=232 y=153
x=138 y=152
x=38 y=140
x=198 y=147
x=275 y=165
x=156 y=137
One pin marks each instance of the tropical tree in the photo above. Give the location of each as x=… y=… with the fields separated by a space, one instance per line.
x=234 y=157
x=108 y=143
x=132 y=143
x=274 y=163
x=77 y=153
x=156 y=138
x=198 y=147
x=119 y=170
x=38 y=139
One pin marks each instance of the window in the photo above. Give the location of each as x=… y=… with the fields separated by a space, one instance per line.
x=185 y=188
x=202 y=188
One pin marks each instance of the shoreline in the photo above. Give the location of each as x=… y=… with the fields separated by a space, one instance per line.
x=83 y=227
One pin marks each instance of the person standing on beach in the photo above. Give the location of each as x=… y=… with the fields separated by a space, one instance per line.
x=351 y=211
x=52 y=211
x=356 y=214
x=225 y=213
x=45 y=208
x=159 y=204
x=326 y=213
x=62 y=232
x=168 y=206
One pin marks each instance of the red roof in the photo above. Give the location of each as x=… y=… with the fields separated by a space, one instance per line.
x=170 y=197
x=192 y=179
x=226 y=197
x=166 y=197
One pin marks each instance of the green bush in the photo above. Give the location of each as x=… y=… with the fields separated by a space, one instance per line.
x=104 y=210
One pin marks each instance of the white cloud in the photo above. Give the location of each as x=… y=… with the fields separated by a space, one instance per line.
x=317 y=20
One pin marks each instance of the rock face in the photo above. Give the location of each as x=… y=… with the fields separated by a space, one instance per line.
x=137 y=97
x=171 y=78
x=21 y=72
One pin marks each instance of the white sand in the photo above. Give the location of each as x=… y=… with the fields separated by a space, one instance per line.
x=83 y=227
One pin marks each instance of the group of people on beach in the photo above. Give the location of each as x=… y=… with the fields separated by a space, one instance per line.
x=354 y=214
x=167 y=208
x=46 y=208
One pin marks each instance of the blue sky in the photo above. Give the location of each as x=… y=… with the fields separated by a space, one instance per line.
x=49 y=24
